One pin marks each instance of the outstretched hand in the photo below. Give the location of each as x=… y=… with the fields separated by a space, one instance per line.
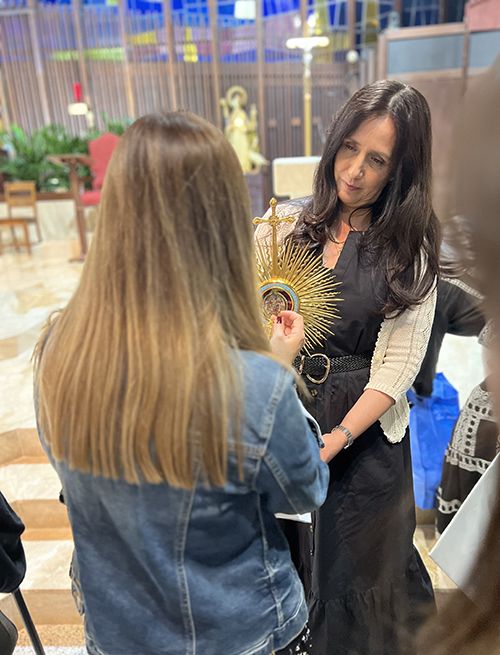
x=288 y=336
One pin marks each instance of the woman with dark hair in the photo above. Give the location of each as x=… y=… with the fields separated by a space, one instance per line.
x=372 y=219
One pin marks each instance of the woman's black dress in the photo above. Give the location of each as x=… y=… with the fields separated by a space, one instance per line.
x=368 y=590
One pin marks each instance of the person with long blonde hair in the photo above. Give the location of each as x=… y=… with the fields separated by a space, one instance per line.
x=175 y=430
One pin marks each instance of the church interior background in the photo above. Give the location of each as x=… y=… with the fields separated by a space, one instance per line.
x=72 y=71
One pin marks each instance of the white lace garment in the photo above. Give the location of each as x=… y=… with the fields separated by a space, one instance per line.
x=401 y=343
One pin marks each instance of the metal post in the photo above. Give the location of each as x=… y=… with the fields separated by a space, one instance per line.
x=307 y=58
x=215 y=58
x=170 y=39
x=4 y=108
x=28 y=623
x=261 y=53
x=303 y=17
x=129 y=89
x=382 y=57
x=77 y=8
x=37 y=60
x=10 y=88
x=443 y=11
x=398 y=7
x=465 y=60
x=371 y=67
x=351 y=23
x=307 y=44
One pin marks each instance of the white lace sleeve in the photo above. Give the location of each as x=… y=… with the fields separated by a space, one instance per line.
x=401 y=347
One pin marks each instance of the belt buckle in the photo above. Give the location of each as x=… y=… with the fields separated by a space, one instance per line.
x=328 y=364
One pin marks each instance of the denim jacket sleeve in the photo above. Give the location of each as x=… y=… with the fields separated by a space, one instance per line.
x=292 y=477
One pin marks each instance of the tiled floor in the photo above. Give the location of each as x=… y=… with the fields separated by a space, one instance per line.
x=29 y=481
x=425 y=538
x=30 y=289
x=32 y=286
x=56 y=635
x=52 y=650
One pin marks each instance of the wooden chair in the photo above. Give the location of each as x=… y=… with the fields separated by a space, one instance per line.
x=13 y=224
x=20 y=194
x=100 y=151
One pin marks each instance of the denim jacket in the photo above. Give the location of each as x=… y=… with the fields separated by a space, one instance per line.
x=206 y=571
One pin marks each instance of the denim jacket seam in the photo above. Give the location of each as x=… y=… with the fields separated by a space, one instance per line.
x=256 y=647
x=92 y=647
x=276 y=396
x=248 y=449
x=269 y=568
x=283 y=481
x=270 y=418
x=180 y=548
x=261 y=644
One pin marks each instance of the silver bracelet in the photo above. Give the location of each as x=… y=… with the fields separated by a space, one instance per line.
x=348 y=434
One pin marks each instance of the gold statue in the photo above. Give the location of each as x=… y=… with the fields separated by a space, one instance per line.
x=291 y=278
x=241 y=130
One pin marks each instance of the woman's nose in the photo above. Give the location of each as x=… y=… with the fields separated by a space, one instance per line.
x=357 y=167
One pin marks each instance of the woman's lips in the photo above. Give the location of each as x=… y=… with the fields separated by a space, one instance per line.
x=349 y=187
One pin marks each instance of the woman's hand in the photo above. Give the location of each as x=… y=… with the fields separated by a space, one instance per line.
x=369 y=407
x=288 y=336
x=334 y=442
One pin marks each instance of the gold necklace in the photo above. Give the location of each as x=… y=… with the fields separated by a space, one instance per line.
x=340 y=244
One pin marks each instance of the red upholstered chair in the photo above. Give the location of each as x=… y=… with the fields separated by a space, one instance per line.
x=100 y=150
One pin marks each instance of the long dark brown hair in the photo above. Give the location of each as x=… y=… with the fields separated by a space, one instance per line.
x=404 y=231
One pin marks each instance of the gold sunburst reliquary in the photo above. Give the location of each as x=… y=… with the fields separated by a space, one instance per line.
x=293 y=278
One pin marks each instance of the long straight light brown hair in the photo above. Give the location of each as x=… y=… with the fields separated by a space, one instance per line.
x=136 y=379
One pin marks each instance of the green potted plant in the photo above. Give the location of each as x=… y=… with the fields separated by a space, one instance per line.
x=28 y=155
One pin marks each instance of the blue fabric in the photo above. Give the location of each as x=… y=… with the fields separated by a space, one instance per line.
x=431 y=424
x=207 y=571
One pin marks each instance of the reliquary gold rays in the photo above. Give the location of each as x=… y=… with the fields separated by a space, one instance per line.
x=293 y=278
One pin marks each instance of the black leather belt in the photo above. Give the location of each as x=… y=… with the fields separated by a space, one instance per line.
x=318 y=367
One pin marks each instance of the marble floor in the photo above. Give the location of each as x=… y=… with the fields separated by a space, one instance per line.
x=31 y=287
